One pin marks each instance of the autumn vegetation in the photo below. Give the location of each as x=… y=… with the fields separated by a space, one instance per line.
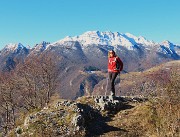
x=27 y=88
x=163 y=92
x=33 y=83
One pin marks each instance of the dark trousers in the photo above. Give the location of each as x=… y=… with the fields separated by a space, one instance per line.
x=111 y=79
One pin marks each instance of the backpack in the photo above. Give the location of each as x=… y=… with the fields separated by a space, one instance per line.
x=118 y=65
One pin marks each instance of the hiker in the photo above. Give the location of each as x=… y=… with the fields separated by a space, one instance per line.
x=115 y=65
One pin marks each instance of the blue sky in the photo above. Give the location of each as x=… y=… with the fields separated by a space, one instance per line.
x=33 y=21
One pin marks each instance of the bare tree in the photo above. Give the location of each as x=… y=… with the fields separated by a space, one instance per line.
x=28 y=87
x=8 y=100
x=49 y=75
x=39 y=78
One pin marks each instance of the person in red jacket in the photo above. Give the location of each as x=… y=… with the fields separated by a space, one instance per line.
x=115 y=65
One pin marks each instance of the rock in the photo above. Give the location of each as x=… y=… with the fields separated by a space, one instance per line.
x=72 y=117
x=18 y=131
x=108 y=103
x=78 y=120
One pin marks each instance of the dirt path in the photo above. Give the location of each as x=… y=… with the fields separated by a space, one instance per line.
x=126 y=123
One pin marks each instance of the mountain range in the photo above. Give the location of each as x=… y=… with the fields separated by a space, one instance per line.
x=81 y=55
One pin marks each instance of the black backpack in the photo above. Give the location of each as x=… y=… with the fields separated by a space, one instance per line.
x=117 y=64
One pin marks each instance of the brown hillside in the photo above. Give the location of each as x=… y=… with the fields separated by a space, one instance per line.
x=141 y=83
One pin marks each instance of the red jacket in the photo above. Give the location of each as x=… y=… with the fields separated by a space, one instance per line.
x=112 y=64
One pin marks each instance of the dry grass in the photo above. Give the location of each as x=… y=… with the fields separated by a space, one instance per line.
x=158 y=117
x=132 y=122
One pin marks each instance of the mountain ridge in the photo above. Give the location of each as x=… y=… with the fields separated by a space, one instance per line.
x=104 y=36
x=109 y=38
x=73 y=57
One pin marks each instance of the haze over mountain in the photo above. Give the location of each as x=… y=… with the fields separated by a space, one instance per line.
x=79 y=54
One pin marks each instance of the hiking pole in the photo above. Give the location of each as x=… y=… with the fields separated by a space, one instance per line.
x=107 y=80
x=120 y=83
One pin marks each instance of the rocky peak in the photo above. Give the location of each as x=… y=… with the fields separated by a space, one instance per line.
x=166 y=43
x=105 y=38
x=14 y=47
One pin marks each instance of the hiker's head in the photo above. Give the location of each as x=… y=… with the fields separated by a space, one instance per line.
x=111 y=53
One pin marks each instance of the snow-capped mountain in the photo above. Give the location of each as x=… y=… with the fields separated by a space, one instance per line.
x=95 y=44
x=10 y=53
x=108 y=38
x=14 y=47
x=38 y=48
x=170 y=49
x=89 y=50
x=92 y=46
x=42 y=46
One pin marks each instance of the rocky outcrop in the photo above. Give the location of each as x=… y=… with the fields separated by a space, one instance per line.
x=115 y=104
x=72 y=118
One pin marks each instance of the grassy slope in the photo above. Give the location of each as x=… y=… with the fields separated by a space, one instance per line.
x=130 y=122
x=133 y=81
x=139 y=120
